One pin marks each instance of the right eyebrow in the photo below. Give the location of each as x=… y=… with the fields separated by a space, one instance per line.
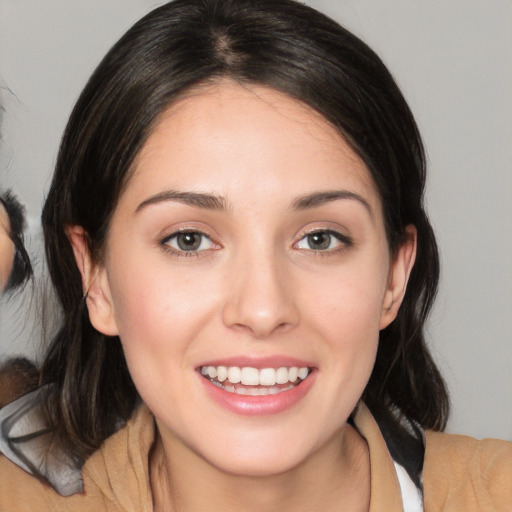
x=197 y=199
x=316 y=199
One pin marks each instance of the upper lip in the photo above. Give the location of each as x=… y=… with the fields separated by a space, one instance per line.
x=259 y=362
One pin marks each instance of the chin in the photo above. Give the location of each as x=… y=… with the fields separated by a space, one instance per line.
x=258 y=466
x=259 y=453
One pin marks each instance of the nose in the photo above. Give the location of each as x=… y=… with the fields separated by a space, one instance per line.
x=261 y=296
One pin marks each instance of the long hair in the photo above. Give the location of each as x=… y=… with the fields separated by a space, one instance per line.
x=281 y=44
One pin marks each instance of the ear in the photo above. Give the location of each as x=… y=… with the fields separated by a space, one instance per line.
x=95 y=283
x=399 y=273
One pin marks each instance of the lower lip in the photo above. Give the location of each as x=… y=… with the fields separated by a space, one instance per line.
x=259 y=405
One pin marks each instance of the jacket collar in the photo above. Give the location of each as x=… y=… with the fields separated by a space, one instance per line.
x=119 y=469
x=385 y=488
x=138 y=437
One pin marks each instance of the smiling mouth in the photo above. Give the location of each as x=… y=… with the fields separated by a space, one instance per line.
x=253 y=381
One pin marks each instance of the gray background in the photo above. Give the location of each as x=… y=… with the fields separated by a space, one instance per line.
x=453 y=60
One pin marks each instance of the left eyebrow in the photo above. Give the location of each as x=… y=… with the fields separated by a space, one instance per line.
x=316 y=199
x=200 y=200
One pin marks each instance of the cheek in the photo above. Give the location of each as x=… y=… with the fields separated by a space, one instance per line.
x=160 y=312
x=153 y=334
x=347 y=311
x=350 y=300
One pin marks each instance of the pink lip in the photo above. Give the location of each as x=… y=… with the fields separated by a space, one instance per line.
x=258 y=405
x=260 y=362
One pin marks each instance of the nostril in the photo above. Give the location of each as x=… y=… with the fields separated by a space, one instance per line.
x=259 y=297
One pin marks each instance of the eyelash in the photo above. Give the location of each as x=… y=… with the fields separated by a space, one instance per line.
x=345 y=243
x=180 y=252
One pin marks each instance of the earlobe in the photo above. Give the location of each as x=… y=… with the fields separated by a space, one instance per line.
x=95 y=283
x=399 y=273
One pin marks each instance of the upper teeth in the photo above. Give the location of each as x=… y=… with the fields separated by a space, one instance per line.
x=254 y=377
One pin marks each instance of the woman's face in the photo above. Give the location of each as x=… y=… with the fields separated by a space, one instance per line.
x=250 y=243
x=6 y=249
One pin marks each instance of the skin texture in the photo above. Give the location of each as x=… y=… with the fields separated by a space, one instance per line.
x=6 y=249
x=255 y=288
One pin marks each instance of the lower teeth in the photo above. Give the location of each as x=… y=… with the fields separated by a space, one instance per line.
x=252 y=391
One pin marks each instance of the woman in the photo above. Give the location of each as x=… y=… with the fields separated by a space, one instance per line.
x=236 y=234
x=17 y=375
x=15 y=267
x=6 y=248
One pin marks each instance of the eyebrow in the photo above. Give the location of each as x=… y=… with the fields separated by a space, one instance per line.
x=197 y=199
x=316 y=199
x=212 y=202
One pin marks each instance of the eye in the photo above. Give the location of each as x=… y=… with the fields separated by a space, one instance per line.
x=188 y=241
x=323 y=240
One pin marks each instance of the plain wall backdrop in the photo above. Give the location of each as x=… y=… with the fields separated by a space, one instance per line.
x=453 y=61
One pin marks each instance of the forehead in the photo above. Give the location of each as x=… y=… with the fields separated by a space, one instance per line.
x=223 y=134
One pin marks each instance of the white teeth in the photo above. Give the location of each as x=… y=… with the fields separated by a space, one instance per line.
x=252 y=391
x=303 y=373
x=282 y=375
x=222 y=373
x=249 y=376
x=234 y=374
x=267 y=377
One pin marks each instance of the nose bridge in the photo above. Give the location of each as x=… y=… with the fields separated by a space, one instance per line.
x=261 y=294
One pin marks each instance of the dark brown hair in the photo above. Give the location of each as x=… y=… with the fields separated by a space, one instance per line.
x=281 y=44
x=18 y=376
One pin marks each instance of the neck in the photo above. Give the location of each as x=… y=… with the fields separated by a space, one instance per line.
x=335 y=477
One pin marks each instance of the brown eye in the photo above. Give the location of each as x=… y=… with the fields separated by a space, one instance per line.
x=189 y=241
x=323 y=240
x=319 y=241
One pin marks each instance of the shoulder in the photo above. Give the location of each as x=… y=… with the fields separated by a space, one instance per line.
x=119 y=469
x=114 y=478
x=19 y=490
x=462 y=473
x=22 y=492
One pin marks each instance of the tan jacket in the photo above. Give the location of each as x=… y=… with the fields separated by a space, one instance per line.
x=460 y=474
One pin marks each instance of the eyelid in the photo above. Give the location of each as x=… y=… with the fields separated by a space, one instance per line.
x=336 y=231
x=164 y=241
x=180 y=231
x=344 y=239
x=188 y=227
